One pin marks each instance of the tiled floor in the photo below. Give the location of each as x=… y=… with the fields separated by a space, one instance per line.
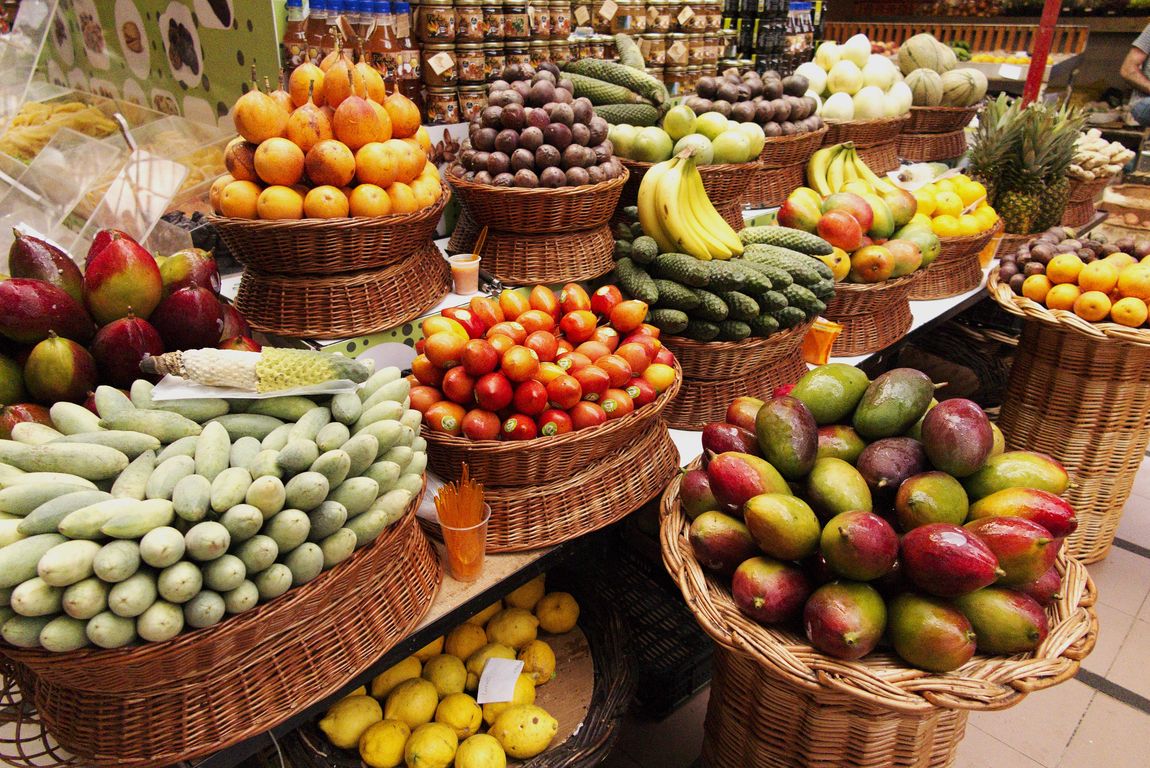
x=1100 y=719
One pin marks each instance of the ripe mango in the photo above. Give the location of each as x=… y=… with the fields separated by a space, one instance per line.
x=1005 y=621
x=1017 y=469
x=122 y=276
x=29 y=309
x=38 y=259
x=957 y=437
x=788 y=436
x=844 y=619
x=832 y=391
x=893 y=403
x=946 y=560
x=736 y=477
x=929 y=633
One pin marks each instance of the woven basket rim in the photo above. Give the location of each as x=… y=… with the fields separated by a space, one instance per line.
x=985 y=236
x=983 y=683
x=538 y=193
x=796 y=137
x=885 y=285
x=949 y=110
x=1065 y=319
x=345 y=222
x=710 y=168
x=870 y=123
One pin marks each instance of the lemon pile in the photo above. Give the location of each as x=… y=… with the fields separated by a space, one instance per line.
x=421 y=713
x=944 y=202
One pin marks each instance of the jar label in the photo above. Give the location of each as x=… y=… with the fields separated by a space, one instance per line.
x=441 y=62
x=402 y=25
x=608 y=9
x=652 y=15
x=677 y=52
x=685 y=15
x=582 y=15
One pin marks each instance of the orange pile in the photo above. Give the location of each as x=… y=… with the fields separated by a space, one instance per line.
x=334 y=144
x=1115 y=288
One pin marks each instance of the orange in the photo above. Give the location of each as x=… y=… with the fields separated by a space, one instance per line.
x=1063 y=296
x=1036 y=287
x=376 y=163
x=279 y=202
x=424 y=139
x=1145 y=260
x=369 y=200
x=426 y=192
x=330 y=162
x=218 y=187
x=326 y=202
x=402 y=198
x=1093 y=306
x=239 y=200
x=1064 y=268
x=430 y=170
x=279 y=161
x=1098 y=276
x=1121 y=260
x=1135 y=281
x=1129 y=311
x=946 y=225
x=409 y=159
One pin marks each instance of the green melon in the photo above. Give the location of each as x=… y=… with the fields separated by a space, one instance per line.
x=919 y=52
x=947 y=58
x=963 y=87
x=925 y=88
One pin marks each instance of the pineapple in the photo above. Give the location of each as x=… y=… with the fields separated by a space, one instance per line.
x=995 y=137
x=271 y=370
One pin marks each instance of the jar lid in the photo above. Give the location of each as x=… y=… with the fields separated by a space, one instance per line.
x=447 y=3
x=493 y=46
x=469 y=46
x=679 y=70
x=439 y=46
x=472 y=89
x=469 y=2
x=449 y=91
x=539 y=43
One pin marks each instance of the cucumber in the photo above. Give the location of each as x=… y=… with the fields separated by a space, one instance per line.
x=162 y=621
x=386 y=510
x=356 y=495
x=229 y=488
x=162 y=482
x=139 y=519
x=395 y=391
x=161 y=547
x=413 y=420
x=180 y=582
x=273 y=581
x=305 y=563
x=297 y=455
x=165 y=426
x=21 y=500
x=243 y=451
x=133 y=481
x=247 y=425
x=635 y=281
x=131 y=444
x=387 y=434
x=377 y=380
x=668 y=320
x=91 y=462
x=734 y=330
x=333 y=435
x=65 y=564
x=108 y=630
x=418 y=463
x=33 y=433
x=310 y=424
x=18 y=560
x=185 y=446
x=9 y=475
x=63 y=634
x=410 y=482
x=258 y=553
x=239 y=404
x=266 y=494
x=42 y=478
x=207 y=540
x=131 y=597
x=204 y=610
x=419 y=444
x=346 y=407
x=335 y=465
x=111 y=401
x=400 y=454
x=338 y=547
x=385 y=473
x=265 y=464
x=326 y=519
x=388 y=411
x=288 y=529
x=277 y=438
x=287 y=408
x=242 y=521
x=213 y=450
x=10 y=531
x=86 y=598
x=224 y=574
x=242 y=598
x=701 y=330
x=71 y=418
x=117 y=561
x=306 y=491
x=24 y=631
x=197 y=408
x=192 y=497
x=36 y=597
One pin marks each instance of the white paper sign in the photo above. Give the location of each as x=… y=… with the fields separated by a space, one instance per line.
x=1010 y=71
x=497 y=684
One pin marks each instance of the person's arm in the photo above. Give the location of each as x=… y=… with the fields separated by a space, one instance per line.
x=1131 y=70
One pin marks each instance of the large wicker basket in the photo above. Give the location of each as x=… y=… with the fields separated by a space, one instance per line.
x=1077 y=391
x=873 y=315
x=867 y=133
x=1089 y=191
x=1078 y=214
x=957 y=269
x=533 y=211
x=880 y=158
x=931 y=147
x=796 y=149
x=939 y=119
x=159 y=704
x=726 y=183
x=776 y=701
x=519 y=259
x=768 y=187
x=329 y=246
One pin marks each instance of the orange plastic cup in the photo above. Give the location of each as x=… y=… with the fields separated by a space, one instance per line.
x=466 y=548
x=819 y=340
x=465 y=273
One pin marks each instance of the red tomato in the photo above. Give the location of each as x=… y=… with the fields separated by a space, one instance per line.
x=519 y=427
x=487 y=310
x=445 y=350
x=605 y=299
x=493 y=392
x=628 y=315
x=594 y=381
x=519 y=363
x=573 y=298
x=648 y=330
x=606 y=335
x=578 y=326
x=563 y=348
x=458 y=386
x=544 y=343
x=543 y=299
x=445 y=416
x=423 y=397
x=641 y=391
x=471 y=322
x=594 y=349
x=439 y=324
x=501 y=343
x=509 y=328
x=554 y=422
x=411 y=379
x=530 y=398
x=564 y=392
x=618 y=369
x=514 y=302
x=650 y=344
x=479 y=424
x=479 y=357
x=547 y=373
x=427 y=372
x=536 y=320
x=617 y=403
x=636 y=356
x=586 y=414
x=665 y=357
x=573 y=361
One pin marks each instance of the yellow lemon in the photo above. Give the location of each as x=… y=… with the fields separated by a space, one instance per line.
x=926 y=202
x=945 y=185
x=465 y=640
x=348 y=718
x=485 y=615
x=524 y=693
x=558 y=613
x=987 y=216
x=478 y=660
x=528 y=595
x=405 y=670
x=947 y=204
x=919 y=220
x=538 y=661
x=446 y=673
x=970 y=191
x=968 y=224
x=524 y=730
x=431 y=745
x=381 y=745
x=460 y=713
x=434 y=648
x=481 y=751
x=515 y=627
x=945 y=226
x=413 y=702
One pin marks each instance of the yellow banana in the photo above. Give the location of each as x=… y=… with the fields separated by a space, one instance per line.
x=649 y=215
x=673 y=218
x=714 y=227
x=850 y=170
x=817 y=168
x=866 y=174
x=836 y=171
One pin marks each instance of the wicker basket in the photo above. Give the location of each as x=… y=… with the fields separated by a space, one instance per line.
x=873 y=315
x=866 y=133
x=931 y=147
x=796 y=149
x=534 y=211
x=158 y=704
x=1010 y=242
x=518 y=259
x=329 y=246
x=1078 y=391
x=957 y=269
x=534 y=462
x=586 y=497
x=339 y=306
x=1079 y=213
x=769 y=187
x=776 y=701
x=939 y=119
x=881 y=158
x=726 y=184
x=1089 y=191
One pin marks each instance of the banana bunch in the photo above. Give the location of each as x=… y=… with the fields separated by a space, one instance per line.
x=675 y=211
x=830 y=168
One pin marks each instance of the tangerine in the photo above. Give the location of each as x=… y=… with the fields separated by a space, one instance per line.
x=1121 y=260
x=1036 y=287
x=239 y=200
x=330 y=162
x=1093 y=306
x=369 y=200
x=1134 y=281
x=426 y=192
x=1064 y=268
x=1098 y=276
x=279 y=161
x=402 y=198
x=1129 y=311
x=1063 y=296
x=376 y=163
x=325 y=202
x=280 y=202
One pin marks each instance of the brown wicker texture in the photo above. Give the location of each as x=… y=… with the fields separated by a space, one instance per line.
x=533 y=462
x=726 y=184
x=873 y=315
x=1088 y=191
x=931 y=147
x=24 y=743
x=957 y=269
x=533 y=211
x=722 y=360
x=1010 y=242
x=796 y=149
x=939 y=119
x=339 y=306
x=881 y=680
x=1077 y=391
x=327 y=246
x=880 y=158
x=866 y=133
x=769 y=187
x=464 y=234
x=733 y=215
x=586 y=497
x=158 y=704
x=1080 y=213
x=578 y=254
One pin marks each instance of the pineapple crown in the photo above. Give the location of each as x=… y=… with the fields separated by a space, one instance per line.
x=1025 y=147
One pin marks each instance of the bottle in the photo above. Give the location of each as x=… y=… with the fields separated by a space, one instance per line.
x=409 y=74
x=319 y=39
x=293 y=49
x=342 y=16
x=382 y=48
x=365 y=20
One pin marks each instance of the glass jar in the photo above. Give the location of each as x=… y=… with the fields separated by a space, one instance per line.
x=729 y=44
x=711 y=48
x=696 y=49
x=630 y=18
x=582 y=13
x=693 y=76
x=675 y=78
x=678 y=51
x=609 y=51
x=659 y=16
x=439 y=66
x=656 y=72
x=494 y=61
x=492 y=21
x=442 y=106
x=600 y=18
x=561 y=52
x=515 y=24
x=437 y=21
x=517 y=53
x=469 y=21
x=594 y=48
x=539 y=51
x=714 y=17
x=654 y=48
x=539 y=20
x=560 y=19
x=472 y=100
x=469 y=62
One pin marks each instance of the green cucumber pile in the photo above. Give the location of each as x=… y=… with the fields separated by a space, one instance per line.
x=775 y=285
x=152 y=518
x=622 y=92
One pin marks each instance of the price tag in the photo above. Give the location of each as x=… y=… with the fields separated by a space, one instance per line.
x=582 y=16
x=677 y=52
x=402 y=25
x=531 y=16
x=652 y=15
x=608 y=9
x=497 y=684
x=685 y=15
x=1010 y=71
x=645 y=48
x=441 y=62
